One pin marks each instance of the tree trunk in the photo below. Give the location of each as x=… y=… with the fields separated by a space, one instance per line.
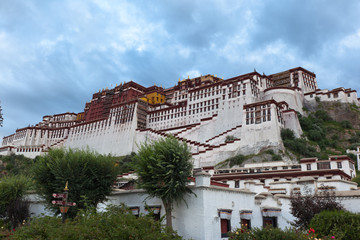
x=168 y=209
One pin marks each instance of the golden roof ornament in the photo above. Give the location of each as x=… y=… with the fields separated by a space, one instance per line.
x=66 y=186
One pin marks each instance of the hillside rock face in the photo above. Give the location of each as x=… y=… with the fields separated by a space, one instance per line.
x=337 y=111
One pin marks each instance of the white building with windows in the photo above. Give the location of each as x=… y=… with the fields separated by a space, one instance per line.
x=203 y=111
x=255 y=195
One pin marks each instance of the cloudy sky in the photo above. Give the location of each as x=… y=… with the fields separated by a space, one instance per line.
x=54 y=54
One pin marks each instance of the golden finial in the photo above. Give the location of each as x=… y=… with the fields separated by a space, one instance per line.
x=215 y=75
x=179 y=79
x=66 y=186
x=188 y=77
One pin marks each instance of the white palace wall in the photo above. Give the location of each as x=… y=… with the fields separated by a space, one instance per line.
x=292 y=96
x=105 y=137
x=201 y=111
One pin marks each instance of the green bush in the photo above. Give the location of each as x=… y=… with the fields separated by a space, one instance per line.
x=287 y=134
x=306 y=123
x=125 y=163
x=346 y=124
x=116 y=223
x=13 y=207
x=300 y=147
x=322 y=115
x=341 y=224
x=17 y=165
x=355 y=138
x=237 y=160
x=266 y=233
x=229 y=138
x=276 y=157
x=316 y=135
x=356 y=179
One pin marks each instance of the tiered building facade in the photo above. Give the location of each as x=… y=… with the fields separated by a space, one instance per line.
x=251 y=108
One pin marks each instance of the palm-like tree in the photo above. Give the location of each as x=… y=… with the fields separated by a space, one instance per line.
x=164 y=168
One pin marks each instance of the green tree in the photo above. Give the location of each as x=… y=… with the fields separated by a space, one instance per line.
x=89 y=175
x=13 y=207
x=164 y=169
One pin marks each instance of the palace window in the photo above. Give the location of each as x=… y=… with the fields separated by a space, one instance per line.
x=323 y=165
x=308 y=166
x=225 y=222
x=339 y=165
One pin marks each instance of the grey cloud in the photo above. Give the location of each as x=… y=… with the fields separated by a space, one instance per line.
x=306 y=25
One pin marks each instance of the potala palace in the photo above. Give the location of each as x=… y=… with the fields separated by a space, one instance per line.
x=201 y=111
x=204 y=111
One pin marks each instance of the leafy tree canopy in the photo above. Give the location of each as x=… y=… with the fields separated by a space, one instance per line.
x=89 y=174
x=164 y=169
x=13 y=207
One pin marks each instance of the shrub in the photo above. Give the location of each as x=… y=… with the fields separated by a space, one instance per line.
x=276 y=157
x=13 y=207
x=355 y=138
x=266 y=233
x=237 y=160
x=125 y=162
x=306 y=123
x=300 y=146
x=356 y=179
x=116 y=223
x=346 y=124
x=323 y=115
x=341 y=224
x=316 y=135
x=287 y=134
x=17 y=165
x=304 y=206
x=230 y=138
